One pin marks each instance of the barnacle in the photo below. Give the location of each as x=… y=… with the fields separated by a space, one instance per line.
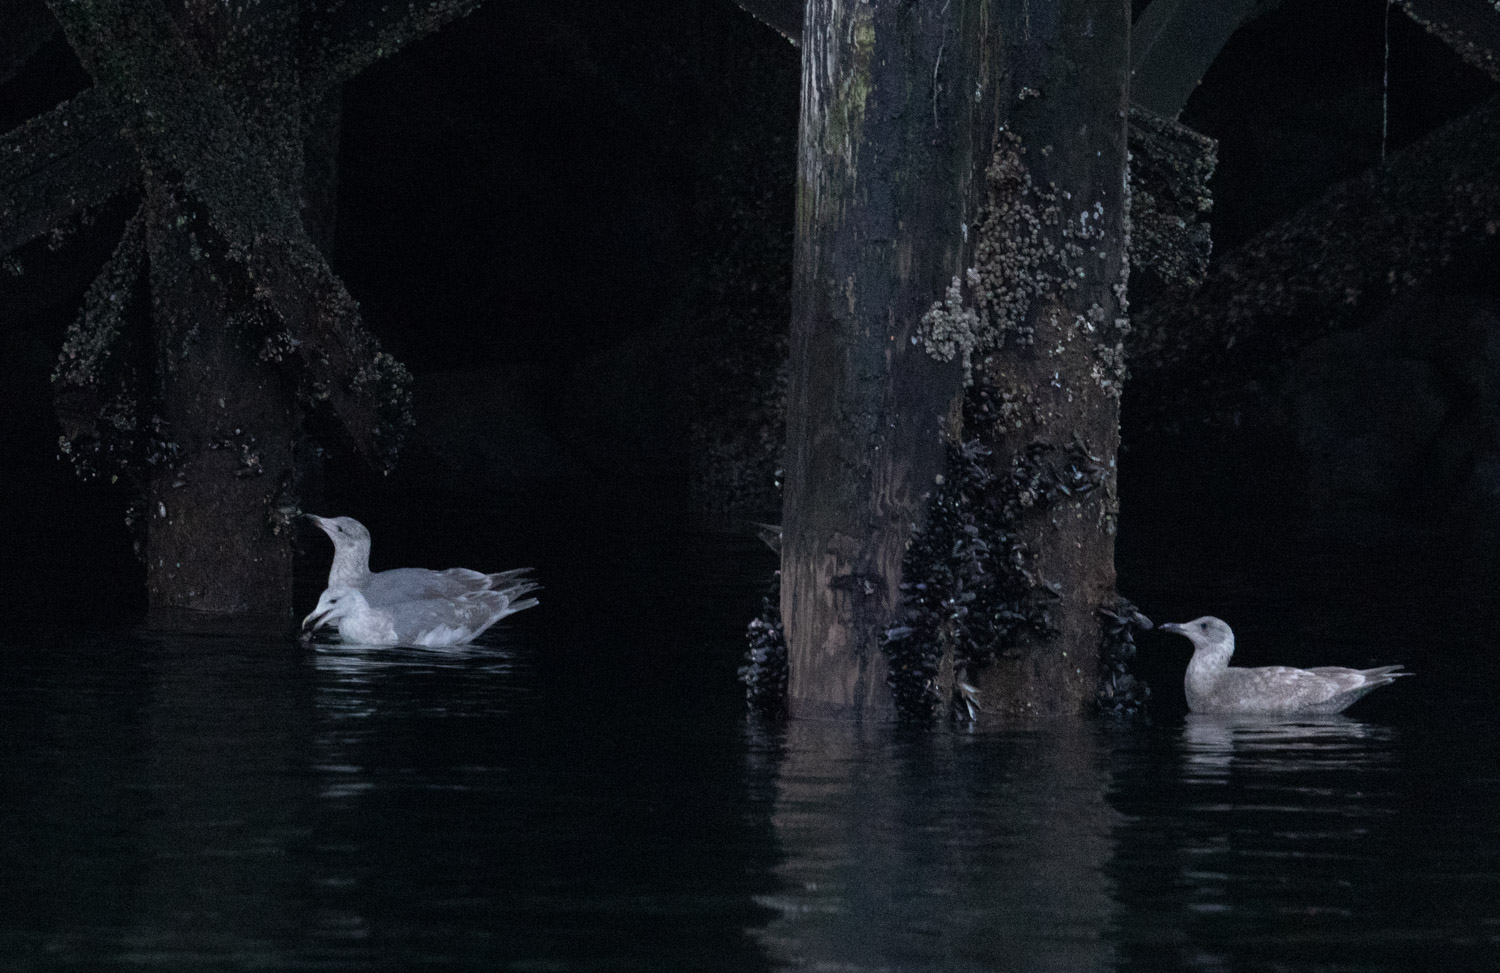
x=1025 y=250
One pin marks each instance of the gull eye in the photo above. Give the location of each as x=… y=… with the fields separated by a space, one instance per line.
x=1203 y=625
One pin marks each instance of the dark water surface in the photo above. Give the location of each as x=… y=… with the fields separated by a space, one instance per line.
x=586 y=793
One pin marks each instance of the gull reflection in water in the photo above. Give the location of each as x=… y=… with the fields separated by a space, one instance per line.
x=359 y=661
x=1213 y=742
x=371 y=701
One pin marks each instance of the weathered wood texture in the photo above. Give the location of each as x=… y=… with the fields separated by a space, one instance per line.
x=890 y=138
x=1056 y=380
x=976 y=142
x=226 y=120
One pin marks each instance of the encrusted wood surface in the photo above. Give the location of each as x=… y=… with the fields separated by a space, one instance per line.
x=1381 y=233
x=224 y=120
x=1054 y=384
x=888 y=140
x=961 y=217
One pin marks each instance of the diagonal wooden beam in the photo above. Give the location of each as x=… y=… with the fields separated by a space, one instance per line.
x=1173 y=43
x=1382 y=232
x=357 y=33
x=94 y=361
x=185 y=131
x=59 y=163
x=782 y=16
x=1470 y=27
x=86 y=161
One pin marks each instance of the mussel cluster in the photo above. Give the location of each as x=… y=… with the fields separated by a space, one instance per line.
x=765 y=670
x=1120 y=692
x=969 y=578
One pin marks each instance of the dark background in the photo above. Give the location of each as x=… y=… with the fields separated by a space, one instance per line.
x=573 y=222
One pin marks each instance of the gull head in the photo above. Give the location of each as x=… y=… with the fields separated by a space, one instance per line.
x=343 y=531
x=333 y=604
x=1207 y=632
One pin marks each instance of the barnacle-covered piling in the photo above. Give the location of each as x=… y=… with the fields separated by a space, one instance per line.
x=764 y=672
x=1001 y=587
x=998 y=560
x=973 y=595
x=100 y=393
x=208 y=113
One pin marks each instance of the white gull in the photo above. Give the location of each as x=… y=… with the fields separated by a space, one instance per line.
x=1214 y=687
x=351 y=569
x=413 y=606
x=423 y=621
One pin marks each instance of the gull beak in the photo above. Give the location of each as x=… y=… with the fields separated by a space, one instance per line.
x=314 y=620
x=1170 y=627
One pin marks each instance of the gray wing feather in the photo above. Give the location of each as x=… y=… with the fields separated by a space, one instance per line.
x=452 y=621
x=412 y=584
x=1274 y=688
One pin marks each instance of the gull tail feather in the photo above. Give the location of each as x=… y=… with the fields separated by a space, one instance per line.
x=1380 y=675
x=1384 y=675
x=516 y=606
x=502 y=578
x=518 y=590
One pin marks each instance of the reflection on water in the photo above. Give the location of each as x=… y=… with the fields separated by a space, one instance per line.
x=1212 y=743
x=585 y=793
x=356 y=686
x=942 y=850
x=1300 y=844
x=358 y=665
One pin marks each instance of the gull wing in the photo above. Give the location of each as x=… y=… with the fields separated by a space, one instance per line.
x=454 y=621
x=413 y=584
x=1273 y=689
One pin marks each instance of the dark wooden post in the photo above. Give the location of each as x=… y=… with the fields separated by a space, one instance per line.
x=889 y=135
x=1057 y=229
x=211 y=546
x=214 y=546
x=962 y=162
x=232 y=115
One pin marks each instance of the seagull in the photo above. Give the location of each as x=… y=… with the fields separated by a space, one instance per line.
x=351 y=569
x=414 y=606
x=428 y=622
x=1213 y=687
